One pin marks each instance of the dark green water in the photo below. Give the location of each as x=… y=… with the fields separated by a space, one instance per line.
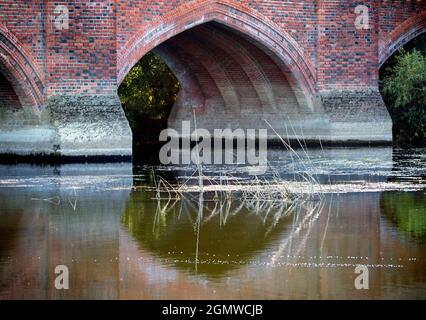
x=119 y=241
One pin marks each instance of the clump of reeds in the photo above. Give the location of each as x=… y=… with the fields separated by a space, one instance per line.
x=270 y=198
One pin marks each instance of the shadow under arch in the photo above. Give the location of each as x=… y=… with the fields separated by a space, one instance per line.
x=224 y=245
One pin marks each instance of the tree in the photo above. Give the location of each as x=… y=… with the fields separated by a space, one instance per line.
x=148 y=92
x=404 y=91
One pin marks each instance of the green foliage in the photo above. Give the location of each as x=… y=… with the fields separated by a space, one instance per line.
x=404 y=91
x=148 y=91
x=407 y=211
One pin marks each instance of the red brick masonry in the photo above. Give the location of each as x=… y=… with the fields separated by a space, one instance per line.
x=238 y=61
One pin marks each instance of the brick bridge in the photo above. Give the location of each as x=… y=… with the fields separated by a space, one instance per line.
x=310 y=68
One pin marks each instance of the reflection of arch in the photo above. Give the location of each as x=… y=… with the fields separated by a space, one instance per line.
x=402 y=34
x=20 y=70
x=232 y=15
x=170 y=235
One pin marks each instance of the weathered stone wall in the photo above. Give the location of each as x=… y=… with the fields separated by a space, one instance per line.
x=356 y=115
x=89 y=125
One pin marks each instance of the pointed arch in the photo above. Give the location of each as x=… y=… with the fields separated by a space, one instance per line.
x=20 y=69
x=233 y=15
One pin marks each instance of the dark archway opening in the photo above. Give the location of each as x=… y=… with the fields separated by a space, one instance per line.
x=9 y=100
x=403 y=87
x=10 y=105
x=220 y=75
x=148 y=94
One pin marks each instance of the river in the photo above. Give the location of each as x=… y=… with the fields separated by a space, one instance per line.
x=152 y=232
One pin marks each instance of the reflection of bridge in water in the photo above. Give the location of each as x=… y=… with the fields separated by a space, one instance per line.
x=117 y=247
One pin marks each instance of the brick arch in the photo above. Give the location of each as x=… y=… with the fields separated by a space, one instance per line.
x=230 y=14
x=401 y=35
x=20 y=69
